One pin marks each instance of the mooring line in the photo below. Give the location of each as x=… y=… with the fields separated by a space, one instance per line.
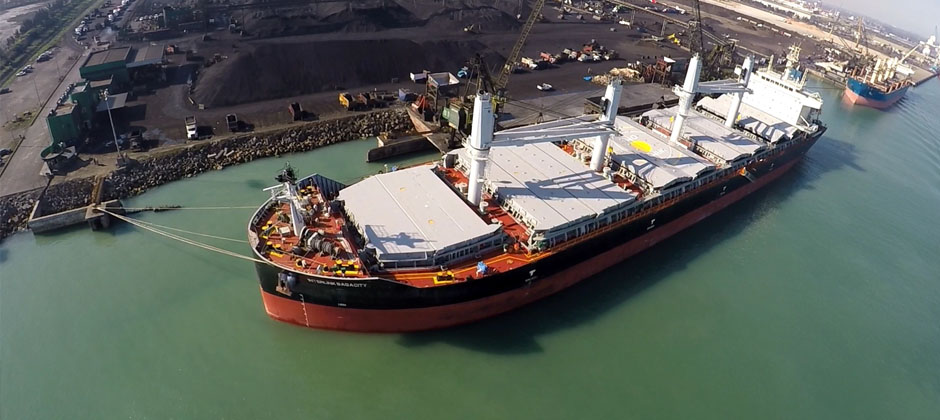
x=159 y=208
x=180 y=238
x=191 y=232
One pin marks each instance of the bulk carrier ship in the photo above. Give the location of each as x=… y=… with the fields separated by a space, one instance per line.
x=523 y=213
x=878 y=85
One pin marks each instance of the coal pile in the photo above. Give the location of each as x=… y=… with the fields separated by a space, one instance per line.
x=276 y=70
x=374 y=19
x=483 y=20
x=304 y=20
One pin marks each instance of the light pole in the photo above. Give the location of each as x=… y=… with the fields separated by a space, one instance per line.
x=58 y=67
x=4 y=116
x=38 y=98
x=113 y=131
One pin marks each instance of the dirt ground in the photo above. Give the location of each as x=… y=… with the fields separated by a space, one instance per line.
x=374 y=45
x=310 y=52
x=258 y=76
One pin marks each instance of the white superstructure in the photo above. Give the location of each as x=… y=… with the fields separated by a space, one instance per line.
x=781 y=94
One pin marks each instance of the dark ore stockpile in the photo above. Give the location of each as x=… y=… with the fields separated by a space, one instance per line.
x=268 y=71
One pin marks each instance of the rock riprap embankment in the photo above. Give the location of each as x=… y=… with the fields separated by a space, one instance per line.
x=200 y=158
x=197 y=158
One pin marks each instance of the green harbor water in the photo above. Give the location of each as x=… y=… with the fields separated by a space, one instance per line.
x=816 y=298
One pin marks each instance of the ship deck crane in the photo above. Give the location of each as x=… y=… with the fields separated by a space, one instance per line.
x=912 y=51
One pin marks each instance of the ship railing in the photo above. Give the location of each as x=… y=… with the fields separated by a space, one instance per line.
x=709 y=114
x=663 y=202
x=741 y=130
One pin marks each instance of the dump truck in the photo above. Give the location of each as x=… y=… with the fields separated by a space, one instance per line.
x=231 y=120
x=136 y=140
x=354 y=102
x=419 y=77
x=296 y=111
x=406 y=95
x=346 y=101
x=191 y=132
x=533 y=64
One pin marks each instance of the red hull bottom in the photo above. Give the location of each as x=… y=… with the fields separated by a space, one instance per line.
x=417 y=319
x=855 y=99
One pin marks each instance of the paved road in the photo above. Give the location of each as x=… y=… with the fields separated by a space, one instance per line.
x=44 y=85
x=22 y=171
x=28 y=92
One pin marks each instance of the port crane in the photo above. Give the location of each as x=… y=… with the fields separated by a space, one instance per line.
x=483 y=81
x=480 y=79
x=696 y=37
x=713 y=59
x=513 y=59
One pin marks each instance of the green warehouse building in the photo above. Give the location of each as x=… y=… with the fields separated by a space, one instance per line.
x=73 y=114
x=110 y=64
x=113 y=70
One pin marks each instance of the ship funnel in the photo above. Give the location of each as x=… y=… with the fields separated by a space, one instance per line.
x=736 y=99
x=481 y=135
x=686 y=93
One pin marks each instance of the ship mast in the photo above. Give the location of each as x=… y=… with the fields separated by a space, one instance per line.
x=287 y=193
x=481 y=135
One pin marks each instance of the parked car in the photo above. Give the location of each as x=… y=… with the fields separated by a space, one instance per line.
x=4 y=90
x=5 y=152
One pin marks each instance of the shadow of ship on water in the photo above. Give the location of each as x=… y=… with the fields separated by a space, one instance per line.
x=517 y=332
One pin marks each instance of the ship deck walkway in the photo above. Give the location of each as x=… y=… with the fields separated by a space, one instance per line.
x=760 y=123
x=710 y=135
x=652 y=158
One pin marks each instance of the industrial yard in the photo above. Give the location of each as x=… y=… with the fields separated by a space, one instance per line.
x=142 y=77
